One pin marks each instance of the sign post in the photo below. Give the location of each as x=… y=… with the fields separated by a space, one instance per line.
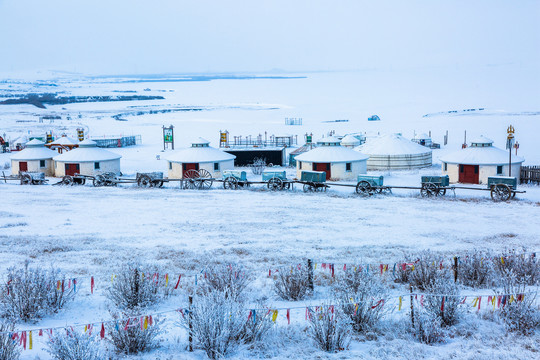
x=510 y=143
x=168 y=137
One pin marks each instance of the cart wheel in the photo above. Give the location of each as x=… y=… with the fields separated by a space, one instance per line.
x=230 y=183
x=26 y=179
x=189 y=184
x=275 y=183
x=429 y=190
x=309 y=188
x=144 y=181
x=99 y=180
x=442 y=191
x=67 y=180
x=364 y=188
x=205 y=179
x=501 y=192
x=191 y=174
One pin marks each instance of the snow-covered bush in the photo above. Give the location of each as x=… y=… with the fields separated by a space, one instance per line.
x=402 y=274
x=427 y=327
x=519 y=311
x=217 y=322
x=134 y=335
x=75 y=345
x=521 y=263
x=329 y=328
x=258 y=324
x=426 y=270
x=133 y=288
x=475 y=269
x=258 y=166
x=8 y=348
x=359 y=295
x=29 y=293
x=292 y=283
x=445 y=309
x=230 y=279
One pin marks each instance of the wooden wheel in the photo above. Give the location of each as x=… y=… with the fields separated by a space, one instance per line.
x=145 y=181
x=189 y=184
x=429 y=190
x=205 y=179
x=230 y=183
x=98 y=181
x=191 y=174
x=384 y=190
x=442 y=191
x=275 y=183
x=501 y=192
x=26 y=179
x=364 y=188
x=67 y=180
x=309 y=188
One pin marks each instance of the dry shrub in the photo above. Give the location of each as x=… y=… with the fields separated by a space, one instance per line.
x=519 y=262
x=30 y=293
x=426 y=270
x=445 y=309
x=427 y=327
x=130 y=336
x=258 y=324
x=8 y=348
x=329 y=328
x=292 y=283
x=230 y=279
x=73 y=345
x=475 y=269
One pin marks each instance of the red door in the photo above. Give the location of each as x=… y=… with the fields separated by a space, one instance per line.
x=323 y=167
x=469 y=174
x=72 y=169
x=23 y=166
x=189 y=166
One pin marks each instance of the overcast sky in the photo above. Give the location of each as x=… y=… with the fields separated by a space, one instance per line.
x=130 y=36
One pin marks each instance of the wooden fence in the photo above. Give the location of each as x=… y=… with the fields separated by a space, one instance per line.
x=530 y=174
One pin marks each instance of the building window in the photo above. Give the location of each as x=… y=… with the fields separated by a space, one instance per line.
x=300 y=165
x=170 y=165
x=216 y=166
x=499 y=170
x=445 y=166
x=41 y=163
x=96 y=166
x=347 y=166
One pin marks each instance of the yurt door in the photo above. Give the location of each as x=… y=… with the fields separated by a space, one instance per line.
x=323 y=167
x=72 y=169
x=469 y=174
x=186 y=167
x=23 y=166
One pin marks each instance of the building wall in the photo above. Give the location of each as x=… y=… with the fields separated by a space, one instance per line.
x=338 y=170
x=399 y=162
x=177 y=170
x=485 y=171
x=87 y=168
x=33 y=166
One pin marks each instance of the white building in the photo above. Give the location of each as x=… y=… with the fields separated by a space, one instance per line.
x=474 y=164
x=87 y=159
x=394 y=152
x=350 y=141
x=423 y=139
x=337 y=161
x=198 y=157
x=35 y=157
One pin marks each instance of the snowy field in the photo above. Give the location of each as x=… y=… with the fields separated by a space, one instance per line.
x=88 y=231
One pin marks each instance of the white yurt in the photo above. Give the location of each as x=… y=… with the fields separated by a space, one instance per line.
x=63 y=143
x=87 y=159
x=474 y=164
x=200 y=156
x=35 y=157
x=394 y=152
x=350 y=141
x=337 y=161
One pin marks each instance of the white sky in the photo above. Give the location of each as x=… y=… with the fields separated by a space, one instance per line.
x=154 y=36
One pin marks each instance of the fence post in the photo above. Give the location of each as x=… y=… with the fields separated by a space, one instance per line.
x=310 y=274
x=455 y=268
x=412 y=307
x=190 y=338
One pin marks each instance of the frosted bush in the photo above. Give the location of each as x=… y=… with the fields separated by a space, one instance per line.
x=30 y=293
x=426 y=270
x=129 y=336
x=427 y=327
x=8 y=348
x=476 y=269
x=258 y=324
x=133 y=288
x=217 y=323
x=258 y=166
x=329 y=328
x=292 y=283
x=519 y=311
x=74 y=345
x=229 y=279
x=445 y=309
x=521 y=263
x=359 y=295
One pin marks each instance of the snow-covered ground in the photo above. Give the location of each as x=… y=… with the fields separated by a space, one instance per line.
x=89 y=231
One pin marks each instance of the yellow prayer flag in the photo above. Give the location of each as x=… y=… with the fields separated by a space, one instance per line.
x=166 y=280
x=30 y=340
x=145 y=322
x=400 y=302
x=274 y=315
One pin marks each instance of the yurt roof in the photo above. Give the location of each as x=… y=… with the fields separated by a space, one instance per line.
x=23 y=139
x=481 y=140
x=393 y=144
x=489 y=155
x=200 y=141
x=422 y=136
x=64 y=140
x=35 y=150
x=87 y=152
x=331 y=154
x=329 y=140
x=199 y=155
x=350 y=140
x=303 y=149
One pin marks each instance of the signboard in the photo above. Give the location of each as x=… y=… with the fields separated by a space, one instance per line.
x=168 y=136
x=223 y=137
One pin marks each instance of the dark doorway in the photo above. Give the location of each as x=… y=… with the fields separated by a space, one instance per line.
x=23 y=166
x=469 y=174
x=72 y=169
x=323 y=167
